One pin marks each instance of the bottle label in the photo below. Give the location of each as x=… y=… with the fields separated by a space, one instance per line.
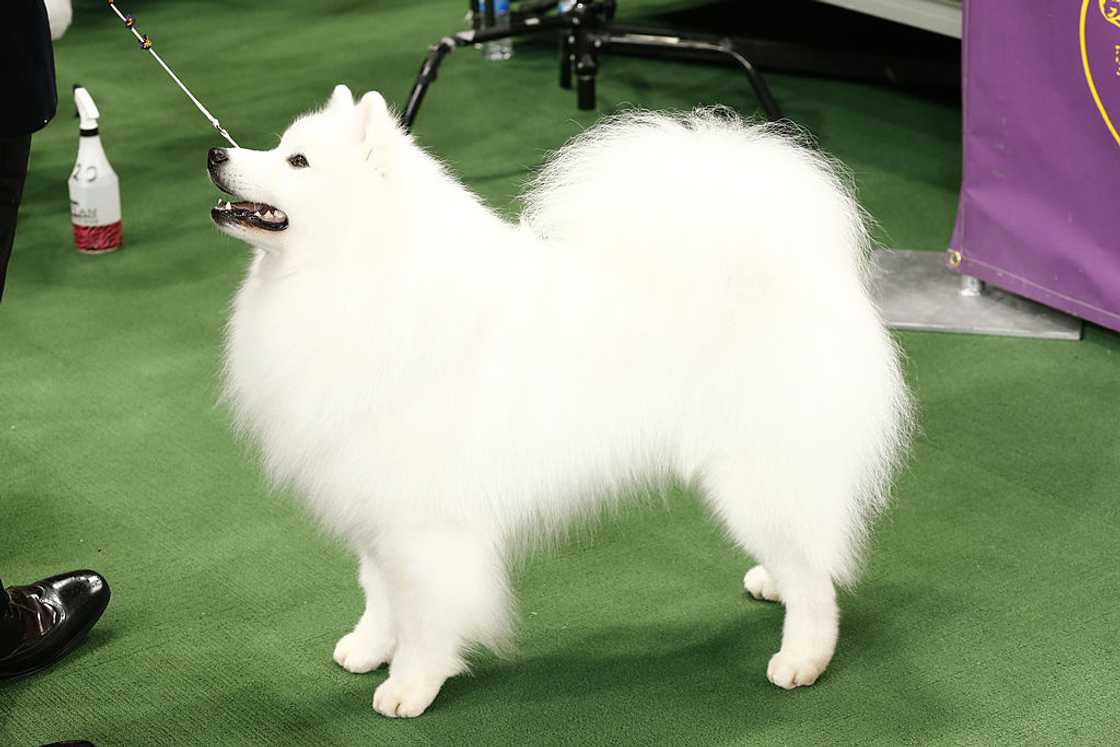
x=97 y=238
x=95 y=206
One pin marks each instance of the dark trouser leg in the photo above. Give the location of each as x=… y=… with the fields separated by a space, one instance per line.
x=13 y=170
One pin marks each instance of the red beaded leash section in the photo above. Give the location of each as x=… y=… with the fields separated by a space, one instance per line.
x=98 y=238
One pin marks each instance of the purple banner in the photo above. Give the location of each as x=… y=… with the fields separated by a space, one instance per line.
x=1040 y=202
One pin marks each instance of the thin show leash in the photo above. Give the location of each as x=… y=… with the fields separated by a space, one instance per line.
x=146 y=43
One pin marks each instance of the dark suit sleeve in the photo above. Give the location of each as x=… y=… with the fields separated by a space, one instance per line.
x=28 y=100
x=27 y=87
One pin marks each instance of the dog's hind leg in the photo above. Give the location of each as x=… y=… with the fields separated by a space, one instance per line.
x=797 y=545
x=811 y=625
x=373 y=639
x=448 y=589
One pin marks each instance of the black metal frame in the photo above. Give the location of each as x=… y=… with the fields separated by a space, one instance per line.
x=588 y=30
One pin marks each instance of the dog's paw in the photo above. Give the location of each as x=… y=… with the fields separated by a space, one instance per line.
x=789 y=670
x=403 y=697
x=759 y=585
x=359 y=652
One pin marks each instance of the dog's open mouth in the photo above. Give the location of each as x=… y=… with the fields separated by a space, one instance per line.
x=250 y=214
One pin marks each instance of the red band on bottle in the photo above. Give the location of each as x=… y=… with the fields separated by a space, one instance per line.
x=97 y=238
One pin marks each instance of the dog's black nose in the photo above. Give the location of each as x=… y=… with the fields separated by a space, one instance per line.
x=217 y=156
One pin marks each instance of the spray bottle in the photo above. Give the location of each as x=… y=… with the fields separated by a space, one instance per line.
x=95 y=195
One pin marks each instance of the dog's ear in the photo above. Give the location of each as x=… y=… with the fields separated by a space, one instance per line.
x=376 y=123
x=341 y=97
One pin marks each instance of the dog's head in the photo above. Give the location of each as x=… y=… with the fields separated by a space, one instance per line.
x=328 y=167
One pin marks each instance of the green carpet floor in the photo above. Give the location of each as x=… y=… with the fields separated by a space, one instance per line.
x=988 y=613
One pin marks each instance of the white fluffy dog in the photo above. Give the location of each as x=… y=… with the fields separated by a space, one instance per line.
x=683 y=300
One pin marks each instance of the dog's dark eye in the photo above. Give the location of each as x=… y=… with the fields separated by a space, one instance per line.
x=298 y=161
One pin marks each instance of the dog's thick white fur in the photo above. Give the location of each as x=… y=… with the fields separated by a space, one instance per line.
x=683 y=301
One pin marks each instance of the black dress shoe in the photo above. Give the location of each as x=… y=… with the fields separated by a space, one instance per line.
x=45 y=621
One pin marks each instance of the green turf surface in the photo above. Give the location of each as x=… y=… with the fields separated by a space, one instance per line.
x=988 y=614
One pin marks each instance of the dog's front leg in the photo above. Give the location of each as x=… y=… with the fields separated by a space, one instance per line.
x=373 y=639
x=448 y=590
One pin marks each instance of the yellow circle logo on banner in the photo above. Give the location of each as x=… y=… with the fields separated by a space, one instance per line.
x=1110 y=9
x=1100 y=53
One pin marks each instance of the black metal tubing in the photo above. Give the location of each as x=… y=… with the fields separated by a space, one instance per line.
x=566 y=59
x=427 y=75
x=429 y=69
x=586 y=43
x=587 y=32
x=676 y=43
x=758 y=83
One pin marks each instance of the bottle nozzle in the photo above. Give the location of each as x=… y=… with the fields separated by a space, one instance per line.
x=87 y=110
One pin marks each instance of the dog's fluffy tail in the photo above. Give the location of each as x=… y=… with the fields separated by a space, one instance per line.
x=682 y=187
x=763 y=231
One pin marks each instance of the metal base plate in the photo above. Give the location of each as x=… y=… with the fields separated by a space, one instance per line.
x=915 y=291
